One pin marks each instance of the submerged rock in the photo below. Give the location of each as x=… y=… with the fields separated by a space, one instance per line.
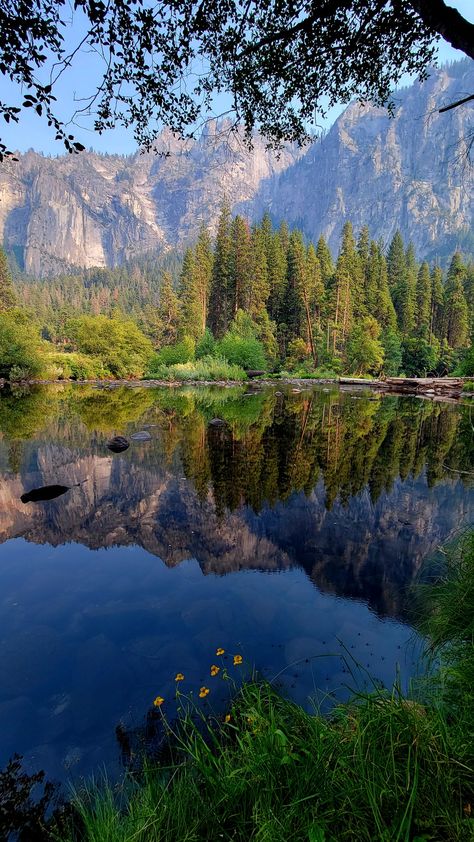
x=217 y=422
x=118 y=444
x=142 y=435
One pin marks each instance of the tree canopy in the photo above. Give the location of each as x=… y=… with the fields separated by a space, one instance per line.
x=283 y=62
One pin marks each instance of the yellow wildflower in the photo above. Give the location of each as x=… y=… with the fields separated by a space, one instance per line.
x=179 y=676
x=227 y=717
x=220 y=651
x=204 y=691
x=158 y=701
x=237 y=660
x=215 y=670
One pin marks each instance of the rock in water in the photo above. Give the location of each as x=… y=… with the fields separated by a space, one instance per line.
x=217 y=422
x=46 y=492
x=142 y=435
x=118 y=444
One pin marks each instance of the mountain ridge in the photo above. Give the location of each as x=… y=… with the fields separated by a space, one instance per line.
x=409 y=172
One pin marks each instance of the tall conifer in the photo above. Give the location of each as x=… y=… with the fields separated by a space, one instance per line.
x=7 y=292
x=222 y=299
x=456 y=310
x=423 y=302
x=437 y=303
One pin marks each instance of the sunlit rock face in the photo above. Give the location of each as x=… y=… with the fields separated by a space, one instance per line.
x=98 y=210
x=409 y=172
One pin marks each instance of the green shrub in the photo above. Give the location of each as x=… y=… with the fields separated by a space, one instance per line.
x=181 y=352
x=119 y=344
x=419 y=357
x=206 y=347
x=466 y=365
x=468 y=386
x=61 y=365
x=247 y=353
x=296 y=353
x=208 y=368
x=19 y=348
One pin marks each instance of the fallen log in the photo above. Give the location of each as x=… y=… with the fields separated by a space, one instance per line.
x=445 y=386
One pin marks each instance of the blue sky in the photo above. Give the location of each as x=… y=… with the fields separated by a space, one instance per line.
x=80 y=80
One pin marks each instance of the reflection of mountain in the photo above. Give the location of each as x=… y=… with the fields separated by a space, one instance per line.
x=351 y=490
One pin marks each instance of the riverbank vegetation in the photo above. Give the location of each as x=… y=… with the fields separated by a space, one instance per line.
x=384 y=766
x=256 y=297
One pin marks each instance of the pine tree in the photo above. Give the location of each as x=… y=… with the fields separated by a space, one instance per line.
x=293 y=307
x=240 y=265
x=423 y=307
x=190 y=313
x=469 y=294
x=397 y=278
x=325 y=261
x=377 y=294
x=456 y=311
x=7 y=292
x=437 y=303
x=168 y=312
x=203 y=262
x=259 y=288
x=409 y=295
x=194 y=286
x=363 y=247
x=348 y=288
x=222 y=295
x=276 y=253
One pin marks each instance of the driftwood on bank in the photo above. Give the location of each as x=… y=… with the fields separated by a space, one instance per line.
x=446 y=387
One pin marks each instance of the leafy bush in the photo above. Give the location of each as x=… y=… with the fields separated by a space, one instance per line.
x=61 y=365
x=181 y=352
x=468 y=386
x=208 y=368
x=19 y=348
x=119 y=345
x=309 y=373
x=247 y=353
x=466 y=365
x=419 y=357
x=206 y=347
x=365 y=353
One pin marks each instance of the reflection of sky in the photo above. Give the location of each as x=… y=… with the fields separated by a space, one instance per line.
x=88 y=639
x=75 y=84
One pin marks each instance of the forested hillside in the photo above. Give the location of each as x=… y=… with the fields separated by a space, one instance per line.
x=263 y=297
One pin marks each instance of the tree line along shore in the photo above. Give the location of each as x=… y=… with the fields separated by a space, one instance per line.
x=253 y=298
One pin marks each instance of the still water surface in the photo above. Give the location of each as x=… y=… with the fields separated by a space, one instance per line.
x=291 y=535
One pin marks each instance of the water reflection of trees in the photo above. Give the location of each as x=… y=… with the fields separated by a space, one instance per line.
x=271 y=445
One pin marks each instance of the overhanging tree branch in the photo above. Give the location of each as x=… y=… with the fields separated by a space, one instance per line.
x=448 y=22
x=456 y=104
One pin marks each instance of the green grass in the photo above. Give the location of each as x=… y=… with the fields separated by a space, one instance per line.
x=206 y=369
x=382 y=767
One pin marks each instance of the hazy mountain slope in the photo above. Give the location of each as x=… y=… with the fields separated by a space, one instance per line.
x=408 y=172
x=97 y=210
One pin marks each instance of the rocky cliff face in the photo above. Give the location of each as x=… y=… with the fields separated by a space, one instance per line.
x=409 y=172
x=97 y=210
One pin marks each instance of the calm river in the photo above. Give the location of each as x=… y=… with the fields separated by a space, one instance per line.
x=290 y=535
